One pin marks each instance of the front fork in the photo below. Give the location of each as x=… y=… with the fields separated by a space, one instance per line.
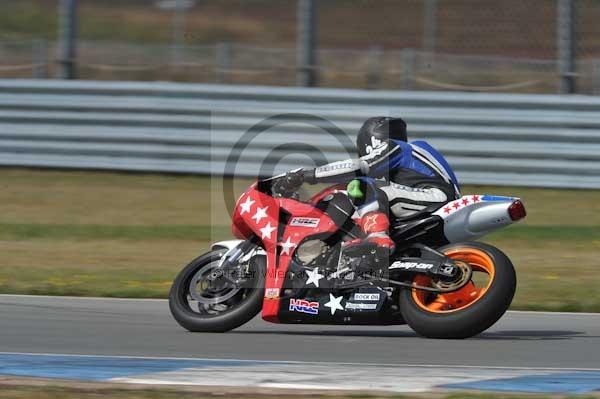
x=228 y=265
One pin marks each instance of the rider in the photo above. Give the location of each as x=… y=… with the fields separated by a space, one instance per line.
x=390 y=175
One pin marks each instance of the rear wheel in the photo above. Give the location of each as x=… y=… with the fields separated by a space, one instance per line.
x=473 y=308
x=204 y=299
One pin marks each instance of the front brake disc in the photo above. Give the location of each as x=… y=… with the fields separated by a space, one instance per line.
x=212 y=291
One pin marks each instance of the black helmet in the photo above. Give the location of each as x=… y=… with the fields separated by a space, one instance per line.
x=379 y=128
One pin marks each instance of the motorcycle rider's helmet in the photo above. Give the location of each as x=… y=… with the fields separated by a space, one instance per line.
x=377 y=129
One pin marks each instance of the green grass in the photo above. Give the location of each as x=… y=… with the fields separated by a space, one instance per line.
x=21 y=232
x=539 y=233
x=62 y=390
x=27 y=19
x=112 y=234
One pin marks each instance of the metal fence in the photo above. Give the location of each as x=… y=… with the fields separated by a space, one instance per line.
x=504 y=139
x=373 y=68
x=533 y=46
x=24 y=58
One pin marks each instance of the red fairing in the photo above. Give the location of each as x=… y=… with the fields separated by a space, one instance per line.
x=305 y=221
x=245 y=208
x=259 y=213
x=256 y=213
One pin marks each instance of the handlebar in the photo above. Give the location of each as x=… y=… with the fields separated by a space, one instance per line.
x=285 y=184
x=288 y=185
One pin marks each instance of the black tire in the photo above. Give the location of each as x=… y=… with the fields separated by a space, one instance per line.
x=474 y=319
x=239 y=315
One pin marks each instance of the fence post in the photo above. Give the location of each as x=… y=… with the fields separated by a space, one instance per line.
x=430 y=26
x=566 y=45
x=407 y=60
x=595 y=71
x=67 y=37
x=306 y=54
x=40 y=59
x=224 y=56
x=375 y=71
x=178 y=31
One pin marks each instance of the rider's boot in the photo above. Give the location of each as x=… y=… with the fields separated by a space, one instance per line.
x=376 y=225
x=372 y=220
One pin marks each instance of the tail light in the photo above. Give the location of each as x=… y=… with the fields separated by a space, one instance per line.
x=516 y=210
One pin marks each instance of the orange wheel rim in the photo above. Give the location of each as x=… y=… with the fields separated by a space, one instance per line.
x=479 y=261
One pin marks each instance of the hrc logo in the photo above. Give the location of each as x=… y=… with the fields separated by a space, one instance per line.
x=304 y=306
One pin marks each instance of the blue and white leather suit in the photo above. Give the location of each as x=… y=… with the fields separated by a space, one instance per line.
x=405 y=177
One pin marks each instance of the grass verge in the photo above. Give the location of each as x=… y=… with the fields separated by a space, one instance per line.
x=111 y=234
x=81 y=390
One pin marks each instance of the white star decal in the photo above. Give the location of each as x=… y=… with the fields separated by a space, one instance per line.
x=267 y=230
x=314 y=277
x=246 y=205
x=334 y=303
x=286 y=246
x=260 y=214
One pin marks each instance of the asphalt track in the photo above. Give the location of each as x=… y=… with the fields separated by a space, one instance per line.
x=127 y=327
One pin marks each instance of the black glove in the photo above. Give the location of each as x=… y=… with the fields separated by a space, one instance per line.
x=293 y=180
x=287 y=185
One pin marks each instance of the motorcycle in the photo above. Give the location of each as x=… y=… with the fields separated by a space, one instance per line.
x=308 y=262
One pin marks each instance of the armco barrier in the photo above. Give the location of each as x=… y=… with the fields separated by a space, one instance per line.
x=505 y=139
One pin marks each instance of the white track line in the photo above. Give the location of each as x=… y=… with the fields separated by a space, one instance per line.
x=84 y=298
x=293 y=362
x=535 y=312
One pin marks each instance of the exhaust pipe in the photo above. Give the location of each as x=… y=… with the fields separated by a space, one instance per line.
x=474 y=216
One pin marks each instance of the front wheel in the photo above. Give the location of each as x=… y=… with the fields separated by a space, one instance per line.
x=205 y=299
x=473 y=308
